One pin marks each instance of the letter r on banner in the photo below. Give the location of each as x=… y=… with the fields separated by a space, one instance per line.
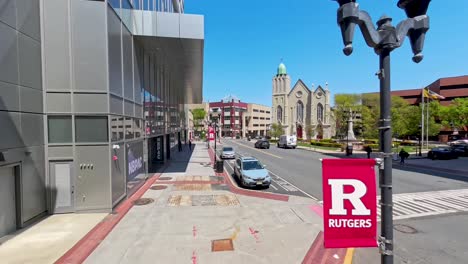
x=337 y=188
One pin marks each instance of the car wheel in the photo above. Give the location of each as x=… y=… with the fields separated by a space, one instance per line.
x=277 y=145
x=268 y=147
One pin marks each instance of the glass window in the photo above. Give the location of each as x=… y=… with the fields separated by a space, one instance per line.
x=279 y=114
x=91 y=129
x=60 y=129
x=300 y=111
x=319 y=112
x=137 y=128
x=117 y=130
x=128 y=124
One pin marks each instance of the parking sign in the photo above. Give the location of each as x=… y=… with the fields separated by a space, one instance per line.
x=349 y=203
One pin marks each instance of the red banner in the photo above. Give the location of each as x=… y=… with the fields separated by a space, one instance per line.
x=349 y=203
x=211 y=133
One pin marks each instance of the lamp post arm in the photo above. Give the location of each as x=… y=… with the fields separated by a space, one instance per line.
x=415 y=28
x=371 y=35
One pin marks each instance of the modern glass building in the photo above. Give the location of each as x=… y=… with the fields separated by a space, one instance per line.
x=92 y=97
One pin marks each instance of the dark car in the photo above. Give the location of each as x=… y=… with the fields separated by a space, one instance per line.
x=442 y=153
x=460 y=149
x=262 y=143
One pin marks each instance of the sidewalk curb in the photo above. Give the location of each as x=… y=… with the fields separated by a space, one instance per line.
x=457 y=172
x=235 y=189
x=86 y=245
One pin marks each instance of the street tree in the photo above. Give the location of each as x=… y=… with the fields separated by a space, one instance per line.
x=309 y=129
x=198 y=117
x=455 y=115
x=276 y=130
x=346 y=105
x=370 y=113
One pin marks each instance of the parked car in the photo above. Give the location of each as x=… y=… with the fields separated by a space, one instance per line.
x=228 y=153
x=460 y=149
x=459 y=141
x=258 y=137
x=287 y=142
x=442 y=153
x=251 y=172
x=262 y=143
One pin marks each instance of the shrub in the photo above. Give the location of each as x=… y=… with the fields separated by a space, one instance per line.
x=326 y=144
x=328 y=141
x=373 y=146
x=371 y=141
x=408 y=143
x=273 y=140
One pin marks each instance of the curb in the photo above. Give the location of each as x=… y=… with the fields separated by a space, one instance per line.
x=235 y=189
x=86 y=245
x=458 y=172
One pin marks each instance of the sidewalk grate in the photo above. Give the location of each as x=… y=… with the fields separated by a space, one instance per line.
x=143 y=201
x=158 y=187
x=222 y=245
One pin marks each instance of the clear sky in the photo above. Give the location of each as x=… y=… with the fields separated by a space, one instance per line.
x=246 y=39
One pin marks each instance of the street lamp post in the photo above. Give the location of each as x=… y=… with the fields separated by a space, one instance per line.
x=420 y=136
x=384 y=40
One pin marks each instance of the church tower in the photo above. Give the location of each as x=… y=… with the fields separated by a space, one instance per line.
x=281 y=88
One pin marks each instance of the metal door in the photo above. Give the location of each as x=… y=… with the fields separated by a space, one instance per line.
x=7 y=200
x=62 y=187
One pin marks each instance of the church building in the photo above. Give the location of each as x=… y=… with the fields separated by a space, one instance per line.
x=301 y=111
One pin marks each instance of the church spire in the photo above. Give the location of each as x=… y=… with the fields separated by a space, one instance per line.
x=281 y=69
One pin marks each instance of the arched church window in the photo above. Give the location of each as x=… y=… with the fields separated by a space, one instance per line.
x=300 y=112
x=319 y=112
x=279 y=114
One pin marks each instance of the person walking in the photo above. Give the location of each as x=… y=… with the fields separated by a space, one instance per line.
x=368 y=150
x=190 y=144
x=180 y=145
x=403 y=155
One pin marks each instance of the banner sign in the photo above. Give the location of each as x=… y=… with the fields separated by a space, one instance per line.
x=349 y=203
x=211 y=133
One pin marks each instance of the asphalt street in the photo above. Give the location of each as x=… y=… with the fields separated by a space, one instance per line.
x=430 y=211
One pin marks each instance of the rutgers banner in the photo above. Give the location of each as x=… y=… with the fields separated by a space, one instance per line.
x=349 y=203
x=211 y=133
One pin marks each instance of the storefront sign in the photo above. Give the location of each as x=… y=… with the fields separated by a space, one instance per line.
x=349 y=203
x=159 y=149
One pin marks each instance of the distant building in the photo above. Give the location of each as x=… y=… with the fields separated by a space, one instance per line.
x=450 y=88
x=298 y=108
x=257 y=120
x=229 y=112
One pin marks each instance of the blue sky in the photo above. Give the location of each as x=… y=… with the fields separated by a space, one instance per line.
x=245 y=40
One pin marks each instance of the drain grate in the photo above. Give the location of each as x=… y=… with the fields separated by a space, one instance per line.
x=222 y=245
x=158 y=187
x=143 y=201
x=165 y=178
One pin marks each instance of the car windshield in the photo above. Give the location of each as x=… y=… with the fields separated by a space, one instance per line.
x=227 y=149
x=252 y=165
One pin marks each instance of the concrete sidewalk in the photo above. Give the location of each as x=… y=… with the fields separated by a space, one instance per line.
x=193 y=217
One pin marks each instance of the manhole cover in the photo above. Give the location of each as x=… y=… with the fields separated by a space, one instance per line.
x=406 y=229
x=143 y=201
x=222 y=245
x=165 y=178
x=158 y=187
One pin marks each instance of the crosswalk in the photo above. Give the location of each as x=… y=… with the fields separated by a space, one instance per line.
x=411 y=205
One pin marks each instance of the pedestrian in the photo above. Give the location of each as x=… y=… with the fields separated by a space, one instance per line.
x=403 y=155
x=190 y=144
x=368 y=150
x=180 y=145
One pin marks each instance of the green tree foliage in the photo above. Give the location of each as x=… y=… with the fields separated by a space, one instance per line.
x=198 y=117
x=370 y=113
x=344 y=103
x=276 y=130
x=309 y=129
x=455 y=114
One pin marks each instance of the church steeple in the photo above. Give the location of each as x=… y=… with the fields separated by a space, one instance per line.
x=281 y=69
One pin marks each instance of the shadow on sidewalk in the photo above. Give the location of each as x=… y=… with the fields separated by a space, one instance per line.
x=179 y=160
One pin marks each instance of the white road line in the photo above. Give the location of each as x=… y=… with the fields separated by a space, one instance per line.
x=273 y=186
x=264 y=152
x=280 y=185
x=299 y=189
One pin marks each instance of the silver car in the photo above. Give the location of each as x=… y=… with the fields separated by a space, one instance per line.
x=251 y=172
x=228 y=153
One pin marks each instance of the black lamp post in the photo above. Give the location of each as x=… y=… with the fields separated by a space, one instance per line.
x=384 y=40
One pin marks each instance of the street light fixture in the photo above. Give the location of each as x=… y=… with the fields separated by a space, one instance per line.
x=384 y=40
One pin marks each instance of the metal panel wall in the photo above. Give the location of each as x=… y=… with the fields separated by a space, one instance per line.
x=92 y=185
x=89 y=53
x=114 y=34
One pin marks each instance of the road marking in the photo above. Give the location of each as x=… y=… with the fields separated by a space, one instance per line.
x=272 y=186
x=349 y=256
x=412 y=205
x=264 y=152
x=299 y=189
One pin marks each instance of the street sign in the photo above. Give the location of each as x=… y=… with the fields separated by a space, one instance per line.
x=349 y=203
x=211 y=133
